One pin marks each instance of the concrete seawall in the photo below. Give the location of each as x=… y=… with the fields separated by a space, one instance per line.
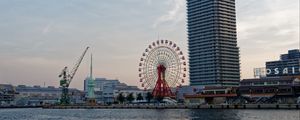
x=246 y=106
x=4 y=107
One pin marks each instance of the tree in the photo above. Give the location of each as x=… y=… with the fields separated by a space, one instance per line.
x=121 y=98
x=149 y=97
x=139 y=97
x=130 y=97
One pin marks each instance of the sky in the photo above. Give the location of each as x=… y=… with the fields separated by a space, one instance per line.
x=38 y=38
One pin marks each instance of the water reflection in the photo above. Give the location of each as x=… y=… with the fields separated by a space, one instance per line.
x=148 y=114
x=214 y=114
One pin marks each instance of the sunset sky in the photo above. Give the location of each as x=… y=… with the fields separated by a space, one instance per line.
x=38 y=37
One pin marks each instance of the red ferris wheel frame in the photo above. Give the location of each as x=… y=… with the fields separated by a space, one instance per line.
x=162 y=66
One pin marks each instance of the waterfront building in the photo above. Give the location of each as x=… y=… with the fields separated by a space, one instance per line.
x=37 y=95
x=7 y=94
x=212 y=43
x=283 y=89
x=213 y=95
x=287 y=85
x=186 y=90
x=288 y=65
x=106 y=90
x=265 y=90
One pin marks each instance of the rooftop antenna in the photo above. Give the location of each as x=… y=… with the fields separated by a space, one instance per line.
x=91 y=67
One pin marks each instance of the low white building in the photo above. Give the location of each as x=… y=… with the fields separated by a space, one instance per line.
x=106 y=90
x=36 y=95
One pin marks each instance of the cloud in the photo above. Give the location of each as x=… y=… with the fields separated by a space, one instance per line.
x=47 y=28
x=265 y=32
x=149 y=2
x=277 y=24
x=174 y=15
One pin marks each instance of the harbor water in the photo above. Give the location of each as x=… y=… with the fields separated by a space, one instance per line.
x=147 y=114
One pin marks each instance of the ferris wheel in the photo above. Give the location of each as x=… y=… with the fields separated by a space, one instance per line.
x=162 y=60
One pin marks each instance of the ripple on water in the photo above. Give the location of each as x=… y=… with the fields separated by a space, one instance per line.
x=147 y=114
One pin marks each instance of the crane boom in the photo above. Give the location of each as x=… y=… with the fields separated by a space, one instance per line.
x=67 y=79
x=75 y=68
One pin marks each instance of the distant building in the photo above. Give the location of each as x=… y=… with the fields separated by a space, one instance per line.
x=106 y=90
x=288 y=65
x=7 y=94
x=212 y=43
x=37 y=95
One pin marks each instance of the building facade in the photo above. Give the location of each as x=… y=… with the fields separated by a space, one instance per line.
x=287 y=65
x=106 y=90
x=282 y=90
x=7 y=94
x=212 y=43
x=187 y=90
x=37 y=95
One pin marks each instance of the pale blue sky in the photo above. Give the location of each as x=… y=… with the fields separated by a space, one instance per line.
x=38 y=37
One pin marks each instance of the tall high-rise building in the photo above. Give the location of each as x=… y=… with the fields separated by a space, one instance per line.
x=212 y=41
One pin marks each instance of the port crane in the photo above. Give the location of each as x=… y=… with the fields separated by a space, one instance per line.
x=66 y=79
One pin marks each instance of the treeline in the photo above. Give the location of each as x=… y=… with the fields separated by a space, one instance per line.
x=121 y=98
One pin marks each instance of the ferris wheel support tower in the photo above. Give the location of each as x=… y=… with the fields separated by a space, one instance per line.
x=162 y=88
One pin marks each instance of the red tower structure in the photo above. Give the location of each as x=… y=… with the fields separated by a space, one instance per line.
x=161 y=88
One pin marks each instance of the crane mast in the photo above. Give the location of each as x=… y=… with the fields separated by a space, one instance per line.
x=67 y=79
